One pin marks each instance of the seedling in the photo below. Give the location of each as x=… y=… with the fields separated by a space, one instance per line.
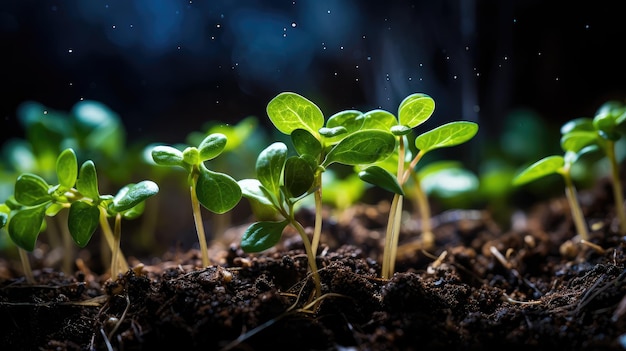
x=413 y=111
x=77 y=191
x=215 y=191
x=604 y=130
x=349 y=137
x=558 y=165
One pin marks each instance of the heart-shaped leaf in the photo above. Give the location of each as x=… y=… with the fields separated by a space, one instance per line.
x=212 y=146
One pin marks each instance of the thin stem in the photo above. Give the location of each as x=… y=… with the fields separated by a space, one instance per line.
x=108 y=235
x=197 y=217
x=397 y=224
x=28 y=271
x=310 y=254
x=428 y=238
x=317 y=229
x=117 y=234
x=577 y=213
x=618 y=194
x=387 y=271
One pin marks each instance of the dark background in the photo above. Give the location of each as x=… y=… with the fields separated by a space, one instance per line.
x=169 y=66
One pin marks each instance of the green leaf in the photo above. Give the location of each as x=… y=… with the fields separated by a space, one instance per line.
x=577 y=140
x=31 y=190
x=167 y=156
x=290 y=111
x=217 y=192
x=546 y=166
x=67 y=168
x=450 y=134
x=87 y=182
x=269 y=166
x=134 y=211
x=100 y=127
x=333 y=132
x=582 y=124
x=131 y=195
x=362 y=147
x=251 y=189
x=381 y=177
x=379 y=119
x=191 y=156
x=262 y=235
x=306 y=143
x=605 y=125
x=212 y=146
x=25 y=226
x=415 y=109
x=82 y=221
x=400 y=130
x=298 y=176
x=351 y=120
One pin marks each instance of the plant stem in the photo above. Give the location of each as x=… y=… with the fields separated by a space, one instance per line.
x=117 y=234
x=197 y=217
x=428 y=238
x=577 y=213
x=28 y=271
x=317 y=229
x=310 y=254
x=109 y=237
x=618 y=194
x=388 y=251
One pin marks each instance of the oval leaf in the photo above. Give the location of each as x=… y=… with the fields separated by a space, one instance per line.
x=298 y=176
x=132 y=194
x=67 y=168
x=381 y=177
x=290 y=111
x=450 y=134
x=31 y=190
x=217 y=192
x=379 y=119
x=362 y=147
x=305 y=143
x=82 y=221
x=269 y=166
x=352 y=120
x=575 y=141
x=579 y=124
x=539 y=169
x=87 y=182
x=25 y=226
x=262 y=235
x=415 y=109
x=167 y=156
x=212 y=146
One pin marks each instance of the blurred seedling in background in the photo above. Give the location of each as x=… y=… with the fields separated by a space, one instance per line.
x=77 y=190
x=604 y=131
x=217 y=192
x=414 y=110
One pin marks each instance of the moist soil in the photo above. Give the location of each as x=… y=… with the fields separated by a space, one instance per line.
x=530 y=285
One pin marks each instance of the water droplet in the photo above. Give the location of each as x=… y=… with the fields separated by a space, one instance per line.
x=293 y=25
x=369 y=58
x=70 y=51
x=218 y=25
x=586 y=26
x=341 y=47
x=114 y=26
x=357 y=66
x=454 y=77
x=328 y=11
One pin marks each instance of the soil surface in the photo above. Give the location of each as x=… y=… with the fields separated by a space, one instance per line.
x=532 y=285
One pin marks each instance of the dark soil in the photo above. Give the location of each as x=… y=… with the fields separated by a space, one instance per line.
x=481 y=287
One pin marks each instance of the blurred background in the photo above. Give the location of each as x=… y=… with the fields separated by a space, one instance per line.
x=168 y=67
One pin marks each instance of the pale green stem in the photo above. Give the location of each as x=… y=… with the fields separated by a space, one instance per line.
x=618 y=194
x=317 y=229
x=577 y=213
x=109 y=238
x=310 y=254
x=428 y=238
x=117 y=234
x=395 y=238
x=388 y=257
x=28 y=271
x=197 y=217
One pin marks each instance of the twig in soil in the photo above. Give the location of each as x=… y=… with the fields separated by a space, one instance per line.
x=507 y=264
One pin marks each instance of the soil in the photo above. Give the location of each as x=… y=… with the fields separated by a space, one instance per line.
x=481 y=287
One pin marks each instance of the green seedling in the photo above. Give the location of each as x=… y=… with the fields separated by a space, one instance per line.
x=77 y=191
x=604 y=130
x=215 y=191
x=558 y=165
x=412 y=112
x=348 y=137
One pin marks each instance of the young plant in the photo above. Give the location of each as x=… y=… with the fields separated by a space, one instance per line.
x=34 y=199
x=215 y=191
x=604 y=130
x=413 y=111
x=558 y=165
x=349 y=137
